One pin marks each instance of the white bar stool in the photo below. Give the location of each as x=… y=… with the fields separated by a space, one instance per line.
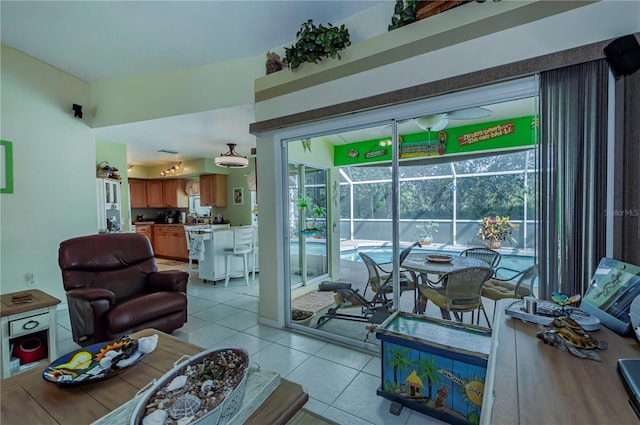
x=242 y=245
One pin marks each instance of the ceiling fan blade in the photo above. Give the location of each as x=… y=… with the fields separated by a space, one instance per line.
x=441 y=125
x=468 y=113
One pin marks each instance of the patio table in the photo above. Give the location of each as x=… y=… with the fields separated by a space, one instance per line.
x=417 y=262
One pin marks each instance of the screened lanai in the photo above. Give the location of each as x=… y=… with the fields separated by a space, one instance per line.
x=454 y=169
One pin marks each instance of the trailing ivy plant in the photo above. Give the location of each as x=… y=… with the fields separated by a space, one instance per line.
x=314 y=43
x=404 y=13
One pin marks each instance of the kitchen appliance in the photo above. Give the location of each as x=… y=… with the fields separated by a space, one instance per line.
x=161 y=218
x=140 y=218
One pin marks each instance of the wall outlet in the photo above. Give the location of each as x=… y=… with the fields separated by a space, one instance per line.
x=31 y=279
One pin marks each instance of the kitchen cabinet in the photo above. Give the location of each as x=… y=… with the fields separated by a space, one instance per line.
x=213 y=190
x=154 y=194
x=138 y=193
x=173 y=194
x=109 y=207
x=169 y=241
x=158 y=194
x=147 y=230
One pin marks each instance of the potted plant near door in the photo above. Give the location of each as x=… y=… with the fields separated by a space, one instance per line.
x=495 y=230
x=319 y=212
x=427 y=229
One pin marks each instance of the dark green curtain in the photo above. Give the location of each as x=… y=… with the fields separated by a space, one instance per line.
x=573 y=176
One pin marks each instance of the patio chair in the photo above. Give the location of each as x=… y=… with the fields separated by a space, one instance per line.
x=375 y=310
x=489 y=256
x=380 y=277
x=518 y=285
x=458 y=291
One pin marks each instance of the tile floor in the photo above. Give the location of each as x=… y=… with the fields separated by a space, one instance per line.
x=341 y=382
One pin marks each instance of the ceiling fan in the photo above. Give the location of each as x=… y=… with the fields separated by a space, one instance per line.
x=439 y=121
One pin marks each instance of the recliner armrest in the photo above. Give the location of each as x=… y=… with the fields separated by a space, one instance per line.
x=168 y=280
x=92 y=294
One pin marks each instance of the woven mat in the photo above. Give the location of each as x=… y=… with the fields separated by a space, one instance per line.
x=313 y=301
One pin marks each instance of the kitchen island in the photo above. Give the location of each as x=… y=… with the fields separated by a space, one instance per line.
x=212 y=266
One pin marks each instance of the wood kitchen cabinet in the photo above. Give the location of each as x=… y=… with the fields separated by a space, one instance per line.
x=173 y=194
x=213 y=190
x=138 y=193
x=147 y=230
x=159 y=194
x=154 y=194
x=169 y=241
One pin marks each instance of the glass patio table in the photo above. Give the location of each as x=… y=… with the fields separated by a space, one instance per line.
x=419 y=263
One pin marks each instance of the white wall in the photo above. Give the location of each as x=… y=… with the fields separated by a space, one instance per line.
x=54 y=171
x=585 y=25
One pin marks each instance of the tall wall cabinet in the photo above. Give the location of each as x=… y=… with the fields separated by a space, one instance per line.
x=109 y=205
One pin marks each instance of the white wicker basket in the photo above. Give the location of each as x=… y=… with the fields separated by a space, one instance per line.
x=221 y=414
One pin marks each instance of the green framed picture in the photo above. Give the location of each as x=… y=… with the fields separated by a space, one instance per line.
x=6 y=167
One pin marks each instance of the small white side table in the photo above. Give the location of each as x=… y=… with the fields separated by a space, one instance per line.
x=36 y=318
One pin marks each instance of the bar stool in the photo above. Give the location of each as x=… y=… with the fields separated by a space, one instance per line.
x=195 y=246
x=242 y=245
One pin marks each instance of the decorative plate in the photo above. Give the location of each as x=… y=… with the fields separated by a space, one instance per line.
x=439 y=258
x=99 y=361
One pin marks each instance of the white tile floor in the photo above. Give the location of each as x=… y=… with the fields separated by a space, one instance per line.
x=341 y=382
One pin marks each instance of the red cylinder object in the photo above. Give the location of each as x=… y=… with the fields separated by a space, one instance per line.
x=29 y=350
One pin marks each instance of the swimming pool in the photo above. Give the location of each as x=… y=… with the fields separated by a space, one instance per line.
x=382 y=254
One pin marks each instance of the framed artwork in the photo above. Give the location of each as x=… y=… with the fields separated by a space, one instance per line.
x=238 y=196
x=6 y=167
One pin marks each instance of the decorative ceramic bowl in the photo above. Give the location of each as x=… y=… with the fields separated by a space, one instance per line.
x=217 y=376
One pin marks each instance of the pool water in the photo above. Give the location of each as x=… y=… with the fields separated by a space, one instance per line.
x=383 y=255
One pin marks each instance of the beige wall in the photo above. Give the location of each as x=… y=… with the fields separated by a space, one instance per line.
x=54 y=168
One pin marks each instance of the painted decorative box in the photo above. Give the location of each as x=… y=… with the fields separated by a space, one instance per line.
x=436 y=367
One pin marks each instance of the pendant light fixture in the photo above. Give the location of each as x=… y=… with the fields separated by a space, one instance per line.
x=231 y=159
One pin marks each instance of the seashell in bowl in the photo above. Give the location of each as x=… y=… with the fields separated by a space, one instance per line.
x=177 y=383
x=157 y=417
x=186 y=406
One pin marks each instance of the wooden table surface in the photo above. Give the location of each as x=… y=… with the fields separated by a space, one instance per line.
x=28 y=399
x=535 y=383
x=39 y=300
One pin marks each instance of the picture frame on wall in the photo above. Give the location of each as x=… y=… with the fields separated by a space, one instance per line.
x=6 y=166
x=238 y=196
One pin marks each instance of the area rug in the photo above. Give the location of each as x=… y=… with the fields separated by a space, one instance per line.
x=313 y=301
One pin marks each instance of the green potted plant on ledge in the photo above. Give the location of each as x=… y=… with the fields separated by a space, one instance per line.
x=495 y=230
x=314 y=43
x=427 y=229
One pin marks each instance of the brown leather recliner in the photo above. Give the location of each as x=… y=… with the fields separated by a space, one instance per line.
x=114 y=287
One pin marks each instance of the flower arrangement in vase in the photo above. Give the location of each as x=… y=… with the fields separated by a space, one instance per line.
x=495 y=230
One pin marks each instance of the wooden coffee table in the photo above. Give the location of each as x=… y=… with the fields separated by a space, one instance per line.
x=27 y=398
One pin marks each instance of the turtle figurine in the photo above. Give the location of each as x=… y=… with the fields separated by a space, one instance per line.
x=568 y=335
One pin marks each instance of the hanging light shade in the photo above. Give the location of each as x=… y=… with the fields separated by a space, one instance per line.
x=231 y=159
x=432 y=122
